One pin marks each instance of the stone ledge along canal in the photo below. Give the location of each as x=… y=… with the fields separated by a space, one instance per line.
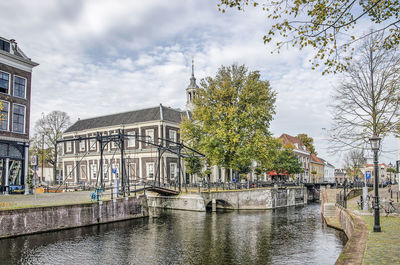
x=294 y=235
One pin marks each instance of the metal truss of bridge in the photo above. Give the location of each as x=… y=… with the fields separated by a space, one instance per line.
x=178 y=148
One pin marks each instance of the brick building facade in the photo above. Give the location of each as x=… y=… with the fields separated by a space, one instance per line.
x=15 y=97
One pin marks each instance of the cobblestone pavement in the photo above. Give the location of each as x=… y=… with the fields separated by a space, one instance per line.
x=383 y=247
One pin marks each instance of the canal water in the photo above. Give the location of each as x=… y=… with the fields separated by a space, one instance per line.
x=293 y=235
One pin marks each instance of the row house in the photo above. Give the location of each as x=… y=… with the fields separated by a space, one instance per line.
x=317 y=169
x=81 y=159
x=329 y=171
x=15 y=98
x=300 y=150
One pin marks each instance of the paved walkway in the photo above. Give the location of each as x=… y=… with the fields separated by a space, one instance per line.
x=9 y=202
x=383 y=247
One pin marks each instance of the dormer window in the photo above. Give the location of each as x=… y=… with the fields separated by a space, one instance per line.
x=4 y=46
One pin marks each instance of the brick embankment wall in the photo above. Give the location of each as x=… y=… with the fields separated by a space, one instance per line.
x=355 y=230
x=42 y=219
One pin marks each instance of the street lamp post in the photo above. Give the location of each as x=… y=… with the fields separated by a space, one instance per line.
x=390 y=178
x=375 y=145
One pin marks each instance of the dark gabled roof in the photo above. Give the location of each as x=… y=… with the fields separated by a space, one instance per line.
x=15 y=52
x=142 y=115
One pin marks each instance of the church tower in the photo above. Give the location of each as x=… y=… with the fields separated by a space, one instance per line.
x=191 y=90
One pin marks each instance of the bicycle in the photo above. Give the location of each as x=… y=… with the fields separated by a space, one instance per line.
x=390 y=209
x=96 y=195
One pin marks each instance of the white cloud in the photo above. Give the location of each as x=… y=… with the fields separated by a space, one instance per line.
x=98 y=57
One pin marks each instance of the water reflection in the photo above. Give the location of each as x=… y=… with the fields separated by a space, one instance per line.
x=284 y=236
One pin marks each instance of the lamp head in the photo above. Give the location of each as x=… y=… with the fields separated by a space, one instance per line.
x=375 y=142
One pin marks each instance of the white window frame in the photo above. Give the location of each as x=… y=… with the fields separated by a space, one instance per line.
x=148 y=164
x=132 y=140
x=134 y=169
x=24 y=118
x=69 y=147
x=147 y=133
x=93 y=170
x=82 y=146
x=8 y=115
x=81 y=167
x=174 y=133
x=172 y=165
x=70 y=173
x=9 y=83
x=92 y=144
x=26 y=83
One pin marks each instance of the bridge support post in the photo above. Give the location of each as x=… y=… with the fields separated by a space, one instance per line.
x=214 y=205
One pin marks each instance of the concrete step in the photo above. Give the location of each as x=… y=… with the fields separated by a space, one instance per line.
x=329 y=210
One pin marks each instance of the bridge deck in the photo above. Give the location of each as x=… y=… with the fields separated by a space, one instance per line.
x=160 y=190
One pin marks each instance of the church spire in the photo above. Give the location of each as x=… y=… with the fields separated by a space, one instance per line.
x=191 y=89
x=193 y=79
x=193 y=66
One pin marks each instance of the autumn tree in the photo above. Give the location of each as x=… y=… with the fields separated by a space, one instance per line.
x=52 y=126
x=308 y=142
x=331 y=28
x=367 y=101
x=231 y=118
x=354 y=161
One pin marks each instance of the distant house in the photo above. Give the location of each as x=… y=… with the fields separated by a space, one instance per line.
x=15 y=96
x=300 y=150
x=384 y=175
x=329 y=171
x=340 y=175
x=317 y=169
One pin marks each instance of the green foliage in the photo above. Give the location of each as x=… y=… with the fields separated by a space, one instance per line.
x=308 y=142
x=193 y=165
x=391 y=170
x=330 y=27
x=231 y=118
x=286 y=162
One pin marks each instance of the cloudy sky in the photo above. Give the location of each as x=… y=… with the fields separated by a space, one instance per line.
x=101 y=57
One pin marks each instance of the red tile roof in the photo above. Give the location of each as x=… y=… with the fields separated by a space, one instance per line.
x=315 y=159
x=288 y=139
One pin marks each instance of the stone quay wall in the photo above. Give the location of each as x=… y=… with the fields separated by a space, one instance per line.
x=356 y=231
x=254 y=199
x=42 y=219
x=354 y=228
